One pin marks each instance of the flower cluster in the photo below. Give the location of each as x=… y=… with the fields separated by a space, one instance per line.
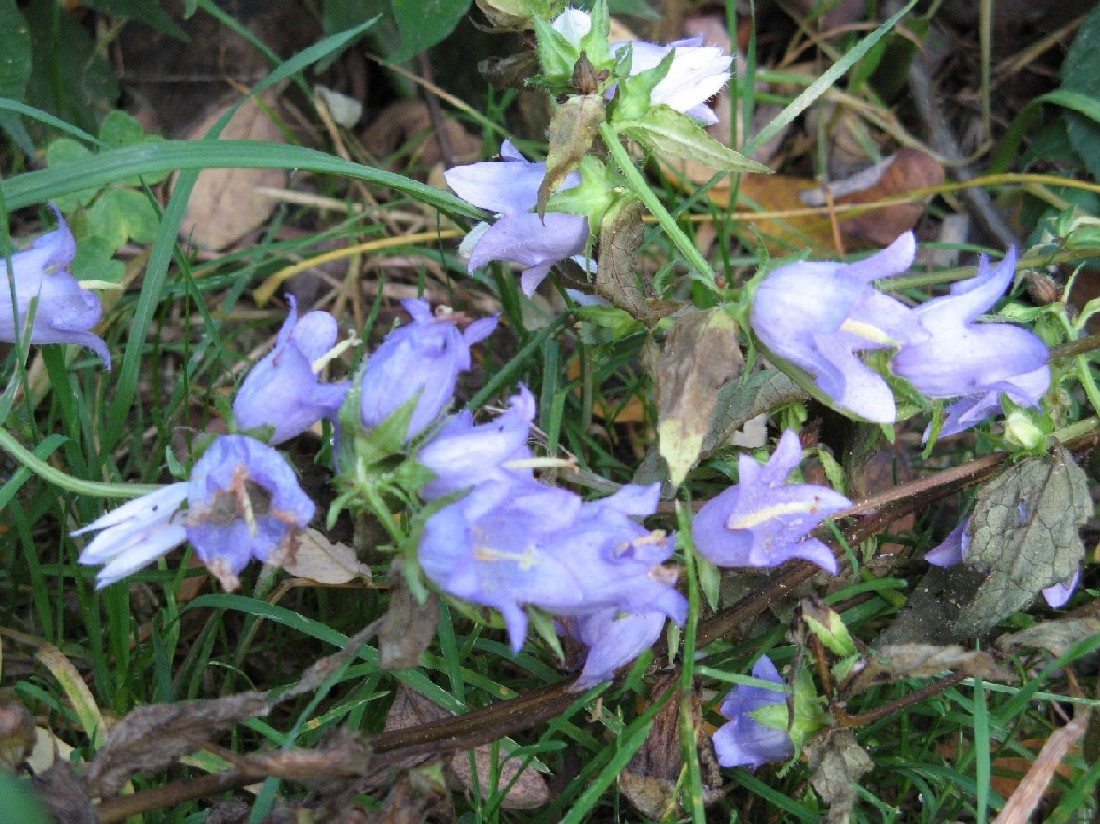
x=819 y=316
x=679 y=76
x=513 y=542
x=242 y=500
x=63 y=311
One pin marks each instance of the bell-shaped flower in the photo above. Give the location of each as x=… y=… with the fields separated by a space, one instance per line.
x=282 y=390
x=64 y=313
x=819 y=315
x=697 y=72
x=135 y=534
x=975 y=361
x=465 y=454
x=744 y=741
x=491 y=548
x=617 y=561
x=509 y=188
x=421 y=360
x=763 y=522
x=244 y=502
x=615 y=638
x=954 y=548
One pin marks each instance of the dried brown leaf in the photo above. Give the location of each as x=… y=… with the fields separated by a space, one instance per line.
x=17 y=731
x=837 y=763
x=700 y=356
x=572 y=130
x=895 y=663
x=224 y=204
x=1053 y=636
x=63 y=793
x=152 y=737
x=408 y=626
x=319 y=559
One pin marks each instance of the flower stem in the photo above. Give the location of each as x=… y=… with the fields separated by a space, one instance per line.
x=95 y=489
x=701 y=270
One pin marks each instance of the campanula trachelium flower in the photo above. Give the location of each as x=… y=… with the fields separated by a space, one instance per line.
x=762 y=521
x=282 y=390
x=744 y=741
x=65 y=313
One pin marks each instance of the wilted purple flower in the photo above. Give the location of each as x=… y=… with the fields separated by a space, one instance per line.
x=282 y=390
x=244 y=502
x=977 y=361
x=954 y=548
x=465 y=454
x=697 y=72
x=509 y=188
x=762 y=522
x=615 y=638
x=65 y=313
x=491 y=548
x=421 y=359
x=744 y=741
x=819 y=315
x=136 y=533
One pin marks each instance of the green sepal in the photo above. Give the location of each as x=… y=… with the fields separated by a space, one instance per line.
x=634 y=96
x=592 y=198
x=557 y=56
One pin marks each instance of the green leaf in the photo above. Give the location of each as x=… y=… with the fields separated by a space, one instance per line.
x=15 y=66
x=1080 y=73
x=119 y=215
x=827 y=625
x=669 y=133
x=69 y=78
x=119 y=129
x=95 y=260
x=423 y=23
x=67 y=150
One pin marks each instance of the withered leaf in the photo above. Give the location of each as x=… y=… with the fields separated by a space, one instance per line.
x=621 y=232
x=837 y=763
x=700 y=355
x=408 y=626
x=1054 y=636
x=1023 y=536
x=65 y=796
x=319 y=559
x=225 y=205
x=572 y=130
x=895 y=663
x=17 y=731
x=650 y=779
x=154 y=736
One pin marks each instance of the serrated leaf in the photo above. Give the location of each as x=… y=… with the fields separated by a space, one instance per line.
x=669 y=133
x=700 y=355
x=1024 y=536
x=572 y=130
x=423 y=23
x=827 y=625
x=1080 y=73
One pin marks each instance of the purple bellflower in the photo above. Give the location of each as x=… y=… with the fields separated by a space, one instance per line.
x=761 y=521
x=954 y=548
x=697 y=72
x=819 y=315
x=491 y=548
x=65 y=313
x=282 y=390
x=421 y=360
x=243 y=502
x=509 y=188
x=465 y=454
x=744 y=741
x=975 y=361
x=614 y=639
